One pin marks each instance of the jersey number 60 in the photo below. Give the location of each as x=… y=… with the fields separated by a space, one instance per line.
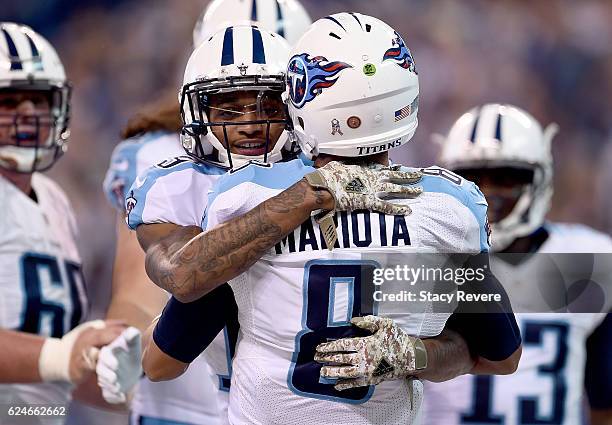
x=65 y=299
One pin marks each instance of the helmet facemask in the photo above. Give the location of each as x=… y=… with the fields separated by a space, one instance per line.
x=531 y=199
x=217 y=112
x=33 y=142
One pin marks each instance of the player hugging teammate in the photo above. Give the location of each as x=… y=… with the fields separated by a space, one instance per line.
x=249 y=267
x=307 y=351
x=200 y=396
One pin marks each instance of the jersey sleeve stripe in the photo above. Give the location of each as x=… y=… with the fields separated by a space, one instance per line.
x=124 y=168
x=265 y=175
x=143 y=184
x=469 y=195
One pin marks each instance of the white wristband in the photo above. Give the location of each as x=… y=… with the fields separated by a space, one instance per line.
x=55 y=354
x=54 y=361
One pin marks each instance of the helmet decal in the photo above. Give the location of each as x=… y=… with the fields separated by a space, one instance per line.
x=14 y=55
x=280 y=30
x=243 y=69
x=473 y=133
x=498 y=135
x=400 y=54
x=287 y=18
x=279 y=20
x=407 y=110
x=307 y=77
x=227 y=55
x=259 y=55
x=334 y=20
x=498 y=125
x=36 y=58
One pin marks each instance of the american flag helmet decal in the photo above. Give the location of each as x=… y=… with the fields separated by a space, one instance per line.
x=402 y=113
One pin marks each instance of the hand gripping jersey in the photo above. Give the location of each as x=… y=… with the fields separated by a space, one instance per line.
x=198 y=396
x=548 y=386
x=41 y=285
x=301 y=294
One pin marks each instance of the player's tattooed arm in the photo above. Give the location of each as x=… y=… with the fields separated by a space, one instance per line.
x=190 y=263
x=448 y=356
x=134 y=298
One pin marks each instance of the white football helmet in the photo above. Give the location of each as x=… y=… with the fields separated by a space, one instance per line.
x=238 y=58
x=29 y=62
x=494 y=136
x=352 y=87
x=287 y=18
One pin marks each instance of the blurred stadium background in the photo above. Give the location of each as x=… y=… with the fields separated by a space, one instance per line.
x=552 y=58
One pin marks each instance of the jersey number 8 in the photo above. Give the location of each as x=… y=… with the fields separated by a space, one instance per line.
x=333 y=292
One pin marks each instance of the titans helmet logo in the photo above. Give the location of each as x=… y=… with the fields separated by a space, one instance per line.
x=307 y=77
x=400 y=54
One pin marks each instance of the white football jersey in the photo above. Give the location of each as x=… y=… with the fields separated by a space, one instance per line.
x=41 y=284
x=133 y=157
x=200 y=395
x=300 y=294
x=548 y=386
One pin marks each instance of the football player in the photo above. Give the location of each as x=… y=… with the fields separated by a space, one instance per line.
x=151 y=138
x=508 y=154
x=45 y=351
x=351 y=77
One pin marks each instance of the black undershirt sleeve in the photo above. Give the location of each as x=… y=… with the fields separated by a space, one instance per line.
x=489 y=328
x=184 y=330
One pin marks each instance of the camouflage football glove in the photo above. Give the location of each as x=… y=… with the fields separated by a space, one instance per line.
x=389 y=353
x=356 y=187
